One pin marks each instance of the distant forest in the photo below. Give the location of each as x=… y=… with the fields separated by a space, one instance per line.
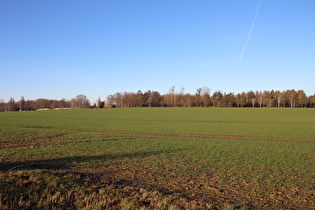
x=202 y=98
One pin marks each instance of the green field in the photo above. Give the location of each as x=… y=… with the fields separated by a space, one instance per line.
x=158 y=158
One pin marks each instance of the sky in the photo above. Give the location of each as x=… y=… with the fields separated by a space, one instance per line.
x=58 y=49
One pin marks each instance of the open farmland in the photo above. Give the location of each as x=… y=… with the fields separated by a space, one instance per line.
x=158 y=158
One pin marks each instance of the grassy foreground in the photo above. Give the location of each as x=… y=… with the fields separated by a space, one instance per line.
x=158 y=158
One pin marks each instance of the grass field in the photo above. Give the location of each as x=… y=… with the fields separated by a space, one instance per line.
x=158 y=158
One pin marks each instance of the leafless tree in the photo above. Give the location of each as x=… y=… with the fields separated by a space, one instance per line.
x=205 y=98
x=22 y=104
x=260 y=98
x=292 y=95
x=172 y=96
x=155 y=99
x=111 y=100
x=188 y=100
x=278 y=96
x=80 y=101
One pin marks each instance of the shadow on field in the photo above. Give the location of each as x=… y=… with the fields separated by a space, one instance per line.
x=65 y=163
x=52 y=188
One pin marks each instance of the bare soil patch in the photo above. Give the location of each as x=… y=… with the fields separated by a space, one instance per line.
x=31 y=141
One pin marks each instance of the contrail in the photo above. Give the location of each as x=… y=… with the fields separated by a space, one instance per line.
x=249 y=33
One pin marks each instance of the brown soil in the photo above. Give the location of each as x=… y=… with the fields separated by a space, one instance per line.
x=31 y=142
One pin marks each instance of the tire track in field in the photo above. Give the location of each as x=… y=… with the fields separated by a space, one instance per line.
x=206 y=136
x=31 y=142
x=45 y=140
x=233 y=137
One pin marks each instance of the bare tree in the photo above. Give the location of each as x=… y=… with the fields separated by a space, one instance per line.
x=80 y=101
x=292 y=95
x=260 y=98
x=53 y=104
x=188 y=100
x=130 y=99
x=169 y=99
x=180 y=97
x=205 y=96
x=278 y=96
x=22 y=103
x=172 y=96
x=155 y=99
x=111 y=100
x=62 y=103
x=118 y=99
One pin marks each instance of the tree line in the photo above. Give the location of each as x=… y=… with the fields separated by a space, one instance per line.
x=79 y=101
x=201 y=98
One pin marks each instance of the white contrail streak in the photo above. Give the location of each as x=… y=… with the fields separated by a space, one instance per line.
x=249 y=33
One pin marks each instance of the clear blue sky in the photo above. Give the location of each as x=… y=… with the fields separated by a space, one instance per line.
x=61 y=48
